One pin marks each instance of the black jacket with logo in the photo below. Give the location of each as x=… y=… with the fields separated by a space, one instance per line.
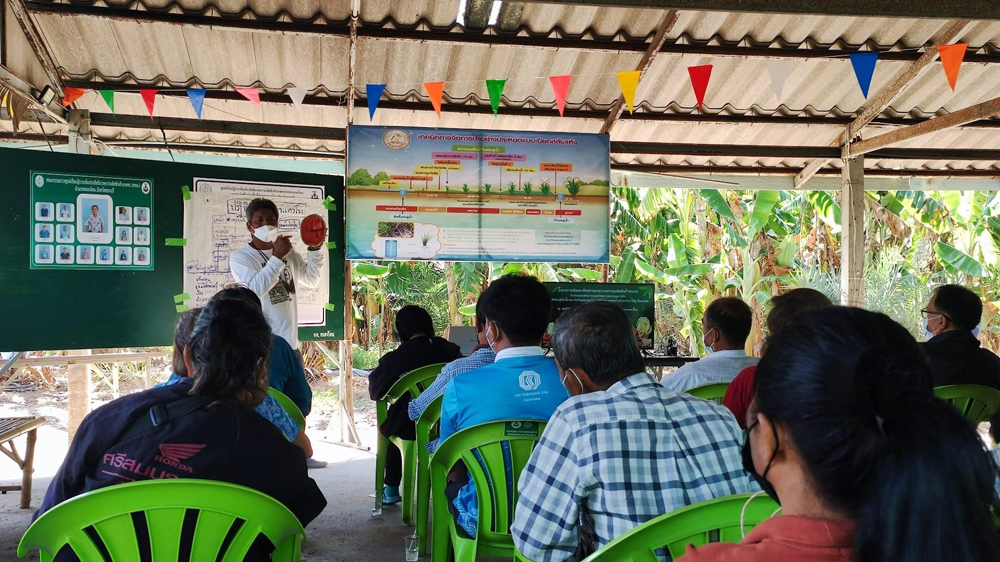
x=956 y=358
x=223 y=442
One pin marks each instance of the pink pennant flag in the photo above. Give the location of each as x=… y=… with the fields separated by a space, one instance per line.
x=251 y=94
x=148 y=96
x=560 y=87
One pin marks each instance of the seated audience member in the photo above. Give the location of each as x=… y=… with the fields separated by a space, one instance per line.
x=419 y=347
x=522 y=384
x=725 y=328
x=995 y=433
x=622 y=450
x=953 y=351
x=481 y=356
x=212 y=412
x=867 y=464
x=784 y=308
x=269 y=409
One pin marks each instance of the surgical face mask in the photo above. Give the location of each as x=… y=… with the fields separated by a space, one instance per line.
x=975 y=332
x=708 y=348
x=266 y=233
x=575 y=376
x=927 y=327
x=488 y=342
x=761 y=479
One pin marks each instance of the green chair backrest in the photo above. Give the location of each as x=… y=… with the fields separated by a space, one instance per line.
x=427 y=424
x=164 y=503
x=413 y=382
x=977 y=403
x=710 y=521
x=497 y=443
x=714 y=391
x=290 y=407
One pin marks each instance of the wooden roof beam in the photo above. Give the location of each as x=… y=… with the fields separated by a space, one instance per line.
x=955 y=119
x=662 y=30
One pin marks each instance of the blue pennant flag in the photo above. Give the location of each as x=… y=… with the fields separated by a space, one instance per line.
x=864 y=69
x=197 y=97
x=374 y=92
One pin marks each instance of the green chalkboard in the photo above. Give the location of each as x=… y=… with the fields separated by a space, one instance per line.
x=73 y=308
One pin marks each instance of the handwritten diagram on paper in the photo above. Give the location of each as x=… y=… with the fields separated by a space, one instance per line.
x=215 y=225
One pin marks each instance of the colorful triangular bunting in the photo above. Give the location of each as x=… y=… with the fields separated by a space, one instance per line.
x=864 y=69
x=700 y=76
x=951 y=59
x=560 y=87
x=374 y=93
x=197 y=98
x=109 y=98
x=778 y=71
x=70 y=95
x=629 y=81
x=435 y=90
x=495 y=88
x=297 y=95
x=251 y=94
x=149 y=96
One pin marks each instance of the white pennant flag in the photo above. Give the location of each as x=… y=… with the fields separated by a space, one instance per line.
x=297 y=95
x=778 y=69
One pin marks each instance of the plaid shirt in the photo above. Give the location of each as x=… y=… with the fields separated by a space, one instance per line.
x=615 y=459
x=480 y=358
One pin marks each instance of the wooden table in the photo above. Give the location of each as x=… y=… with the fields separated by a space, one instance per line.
x=10 y=429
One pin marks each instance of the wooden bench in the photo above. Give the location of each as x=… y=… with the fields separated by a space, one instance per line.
x=10 y=429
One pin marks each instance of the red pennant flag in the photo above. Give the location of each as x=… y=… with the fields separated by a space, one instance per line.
x=434 y=91
x=251 y=94
x=560 y=87
x=149 y=96
x=699 y=81
x=951 y=59
x=70 y=95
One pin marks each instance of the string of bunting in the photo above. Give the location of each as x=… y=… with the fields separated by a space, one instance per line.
x=863 y=64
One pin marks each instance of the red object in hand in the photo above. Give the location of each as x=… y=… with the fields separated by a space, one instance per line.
x=313 y=230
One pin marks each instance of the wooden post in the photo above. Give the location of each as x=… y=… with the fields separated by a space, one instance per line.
x=348 y=433
x=28 y=468
x=852 y=235
x=79 y=394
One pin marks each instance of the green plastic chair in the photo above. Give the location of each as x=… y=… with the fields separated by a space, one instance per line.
x=713 y=391
x=413 y=382
x=428 y=429
x=710 y=521
x=164 y=503
x=977 y=403
x=496 y=492
x=290 y=408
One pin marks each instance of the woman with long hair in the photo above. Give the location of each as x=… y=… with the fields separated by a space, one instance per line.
x=867 y=464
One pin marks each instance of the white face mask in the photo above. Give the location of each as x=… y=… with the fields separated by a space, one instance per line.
x=708 y=348
x=575 y=376
x=488 y=342
x=266 y=233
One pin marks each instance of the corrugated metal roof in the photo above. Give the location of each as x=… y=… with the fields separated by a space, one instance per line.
x=165 y=55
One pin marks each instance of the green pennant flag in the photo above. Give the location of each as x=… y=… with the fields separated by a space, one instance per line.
x=495 y=88
x=109 y=98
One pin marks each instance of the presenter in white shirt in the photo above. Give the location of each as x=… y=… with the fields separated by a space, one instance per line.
x=271 y=268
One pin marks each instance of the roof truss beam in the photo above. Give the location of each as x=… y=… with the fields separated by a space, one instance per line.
x=968 y=9
x=979 y=111
x=491 y=38
x=207 y=126
x=34 y=37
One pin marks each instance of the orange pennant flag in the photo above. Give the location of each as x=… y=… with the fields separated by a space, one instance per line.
x=149 y=96
x=70 y=95
x=434 y=91
x=951 y=60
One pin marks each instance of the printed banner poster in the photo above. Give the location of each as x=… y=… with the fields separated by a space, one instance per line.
x=81 y=221
x=638 y=300
x=459 y=195
x=215 y=224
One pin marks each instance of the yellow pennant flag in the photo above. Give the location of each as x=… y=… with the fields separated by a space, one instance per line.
x=629 y=81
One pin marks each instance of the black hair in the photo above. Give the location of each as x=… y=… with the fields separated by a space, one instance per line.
x=412 y=320
x=259 y=204
x=732 y=317
x=959 y=305
x=520 y=305
x=597 y=337
x=238 y=292
x=995 y=427
x=785 y=307
x=182 y=338
x=854 y=393
x=230 y=341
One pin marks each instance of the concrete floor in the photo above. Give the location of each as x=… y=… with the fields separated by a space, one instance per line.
x=345 y=531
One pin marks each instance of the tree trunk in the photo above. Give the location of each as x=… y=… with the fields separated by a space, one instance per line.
x=453 y=313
